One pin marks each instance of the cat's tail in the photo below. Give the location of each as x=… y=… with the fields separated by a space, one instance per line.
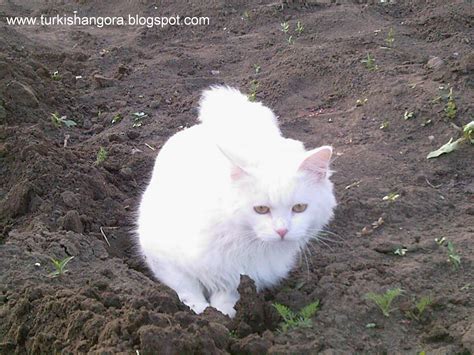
x=230 y=113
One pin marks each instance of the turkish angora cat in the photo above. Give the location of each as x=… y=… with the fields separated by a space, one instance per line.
x=231 y=196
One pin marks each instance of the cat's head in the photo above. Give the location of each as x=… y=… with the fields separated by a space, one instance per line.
x=287 y=198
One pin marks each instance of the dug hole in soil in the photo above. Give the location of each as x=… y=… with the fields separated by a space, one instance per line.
x=57 y=200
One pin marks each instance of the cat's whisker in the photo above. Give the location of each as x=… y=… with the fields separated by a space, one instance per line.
x=312 y=247
x=303 y=252
x=329 y=240
x=324 y=231
x=323 y=243
x=310 y=252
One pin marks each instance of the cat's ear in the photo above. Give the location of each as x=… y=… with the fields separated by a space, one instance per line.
x=316 y=162
x=237 y=171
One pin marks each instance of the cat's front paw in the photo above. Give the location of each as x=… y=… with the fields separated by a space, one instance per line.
x=197 y=306
x=224 y=302
x=226 y=309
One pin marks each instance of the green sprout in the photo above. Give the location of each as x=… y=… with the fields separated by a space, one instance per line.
x=293 y=320
x=384 y=125
x=60 y=266
x=453 y=257
x=447 y=95
x=101 y=156
x=408 y=115
x=390 y=38
x=257 y=68
x=285 y=28
x=440 y=241
x=299 y=27
x=426 y=122
x=59 y=121
x=369 y=62
x=467 y=137
x=56 y=76
x=420 y=306
x=117 y=118
x=451 y=109
x=361 y=102
x=138 y=118
x=384 y=300
x=400 y=251
x=252 y=95
x=392 y=196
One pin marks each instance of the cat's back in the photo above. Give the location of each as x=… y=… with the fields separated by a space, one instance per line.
x=188 y=176
x=189 y=173
x=190 y=150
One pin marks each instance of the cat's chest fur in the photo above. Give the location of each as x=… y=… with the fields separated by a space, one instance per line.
x=226 y=257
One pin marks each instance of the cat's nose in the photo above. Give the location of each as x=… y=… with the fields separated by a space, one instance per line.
x=282 y=232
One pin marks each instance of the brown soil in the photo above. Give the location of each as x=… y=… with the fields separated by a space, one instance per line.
x=55 y=200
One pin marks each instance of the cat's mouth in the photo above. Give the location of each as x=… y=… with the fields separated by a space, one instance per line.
x=270 y=238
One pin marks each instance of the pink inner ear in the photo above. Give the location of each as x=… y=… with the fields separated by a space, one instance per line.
x=316 y=162
x=237 y=173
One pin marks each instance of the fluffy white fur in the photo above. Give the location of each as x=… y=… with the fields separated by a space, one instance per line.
x=197 y=226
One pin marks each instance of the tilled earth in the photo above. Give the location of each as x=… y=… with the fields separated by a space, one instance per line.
x=57 y=202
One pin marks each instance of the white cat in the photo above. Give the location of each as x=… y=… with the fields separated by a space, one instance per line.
x=231 y=196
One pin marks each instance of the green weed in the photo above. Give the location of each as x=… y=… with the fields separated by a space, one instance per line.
x=390 y=38
x=369 y=62
x=285 y=28
x=361 y=102
x=56 y=76
x=293 y=320
x=101 y=156
x=252 y=95
x=451 y=108
x=59 y=121
x=138 y=119
x=467 y=137
x=400 y=251
x=408 y=115
x=384 y=300
x=299 y=27
x=117 y=118
x=257 y=68
x=392 y=197
x=453 y=257
x=426 y=122
x=60 y=266
x=420 y=306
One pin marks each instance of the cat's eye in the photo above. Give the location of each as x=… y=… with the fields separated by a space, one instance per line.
x=299 y=207
x=261 y=209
